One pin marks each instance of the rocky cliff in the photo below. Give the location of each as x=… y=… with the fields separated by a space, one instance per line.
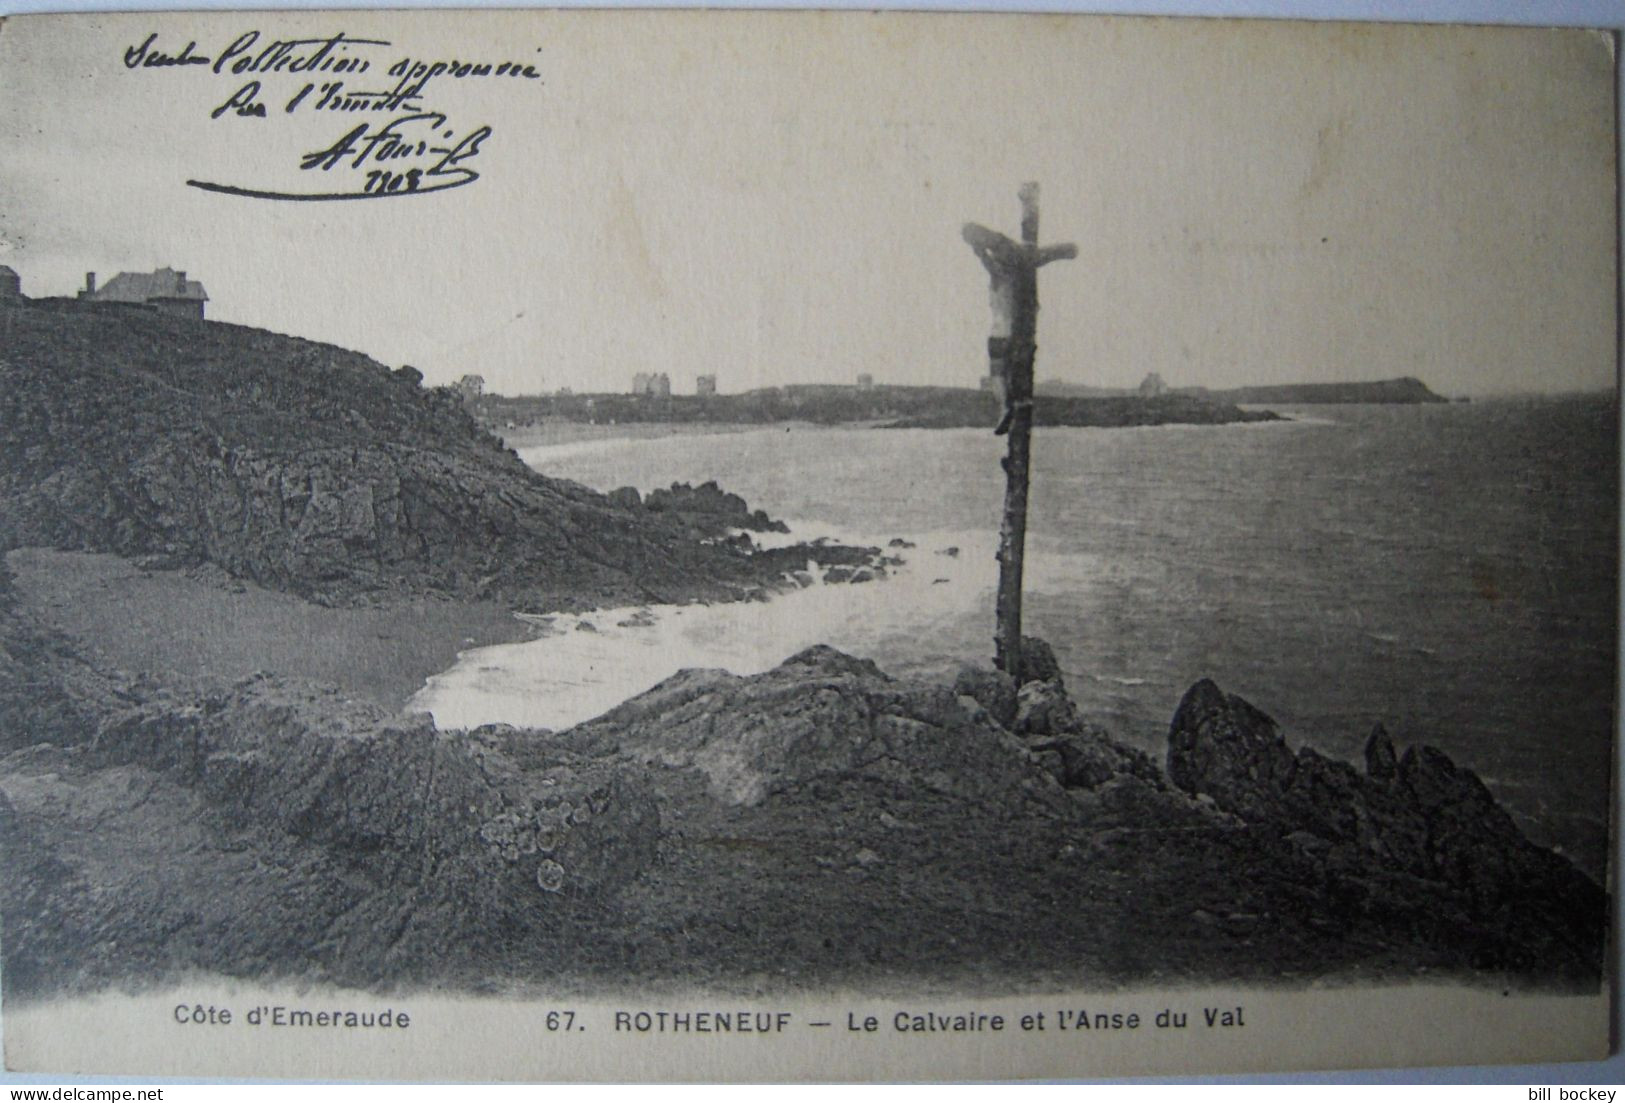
x=306 y=468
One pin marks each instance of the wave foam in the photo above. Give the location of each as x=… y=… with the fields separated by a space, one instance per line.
x=587 y=664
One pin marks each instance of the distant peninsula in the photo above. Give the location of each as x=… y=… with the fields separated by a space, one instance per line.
x=1407 y=390
x=836 y=404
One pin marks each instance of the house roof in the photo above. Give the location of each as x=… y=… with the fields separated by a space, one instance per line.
x=143 y=287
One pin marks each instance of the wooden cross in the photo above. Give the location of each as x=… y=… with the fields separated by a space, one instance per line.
x=1013 y=268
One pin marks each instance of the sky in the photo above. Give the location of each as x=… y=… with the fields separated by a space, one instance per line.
x=777 y=198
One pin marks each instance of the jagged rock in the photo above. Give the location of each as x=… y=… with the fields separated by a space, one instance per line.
x=1038 y=663
x=709 y=509
x=279 y=831
x=994 y=690
x=1079 y=755
x=1224 y=747
x=1043 y=708
x=1380 y=759
x=1088 y=759
x=1423 y=817
x=819 y=715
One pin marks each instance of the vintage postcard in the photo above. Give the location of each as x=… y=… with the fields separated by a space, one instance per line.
x=675 y=545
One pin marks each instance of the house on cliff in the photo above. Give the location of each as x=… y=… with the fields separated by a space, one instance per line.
x=164 y=289
x=11 y=284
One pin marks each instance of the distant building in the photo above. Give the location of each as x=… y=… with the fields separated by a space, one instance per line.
x=657 y=384
x=705 y=384
x=165 y=289
x=865 y=381
x=11 y=285
x=471 y=386
x=1152 y=386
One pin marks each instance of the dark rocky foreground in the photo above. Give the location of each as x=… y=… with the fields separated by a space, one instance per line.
x=314 y=470
x=819 y=824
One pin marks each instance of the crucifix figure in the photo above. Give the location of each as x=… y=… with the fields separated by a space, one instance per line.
x=1013 y=269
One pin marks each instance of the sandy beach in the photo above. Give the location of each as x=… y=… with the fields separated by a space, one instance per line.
x=203 y=627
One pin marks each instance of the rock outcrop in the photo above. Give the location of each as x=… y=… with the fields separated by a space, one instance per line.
x=708 y=510
x=821 y=823
x=282 y=830
x=820 y=714
x=310 y=469
x=1415 y=815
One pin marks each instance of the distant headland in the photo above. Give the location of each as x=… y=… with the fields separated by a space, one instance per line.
x=651 y=401
x=863 y=404
x=1406 y=390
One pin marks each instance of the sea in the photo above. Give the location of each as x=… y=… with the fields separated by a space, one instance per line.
x=1450 y=571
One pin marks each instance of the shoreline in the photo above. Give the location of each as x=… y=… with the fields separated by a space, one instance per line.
x=205 y=627
x=551 y=434
x=705 y=798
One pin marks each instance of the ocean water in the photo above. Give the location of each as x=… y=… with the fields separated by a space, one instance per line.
x=1450 y=571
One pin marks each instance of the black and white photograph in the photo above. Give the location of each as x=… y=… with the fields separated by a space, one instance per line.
x=804 y=545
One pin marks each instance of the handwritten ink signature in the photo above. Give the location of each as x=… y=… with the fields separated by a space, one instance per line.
x=411 y=155
x=292 y=55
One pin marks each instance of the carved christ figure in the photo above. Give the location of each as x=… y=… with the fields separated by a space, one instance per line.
x=1012 y=269
x=1004 y=260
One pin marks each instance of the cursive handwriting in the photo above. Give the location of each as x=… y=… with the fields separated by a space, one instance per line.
x=407 y=146
x=331 y=96
x=295 y=55
x=411 y=155
x=148 y=56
